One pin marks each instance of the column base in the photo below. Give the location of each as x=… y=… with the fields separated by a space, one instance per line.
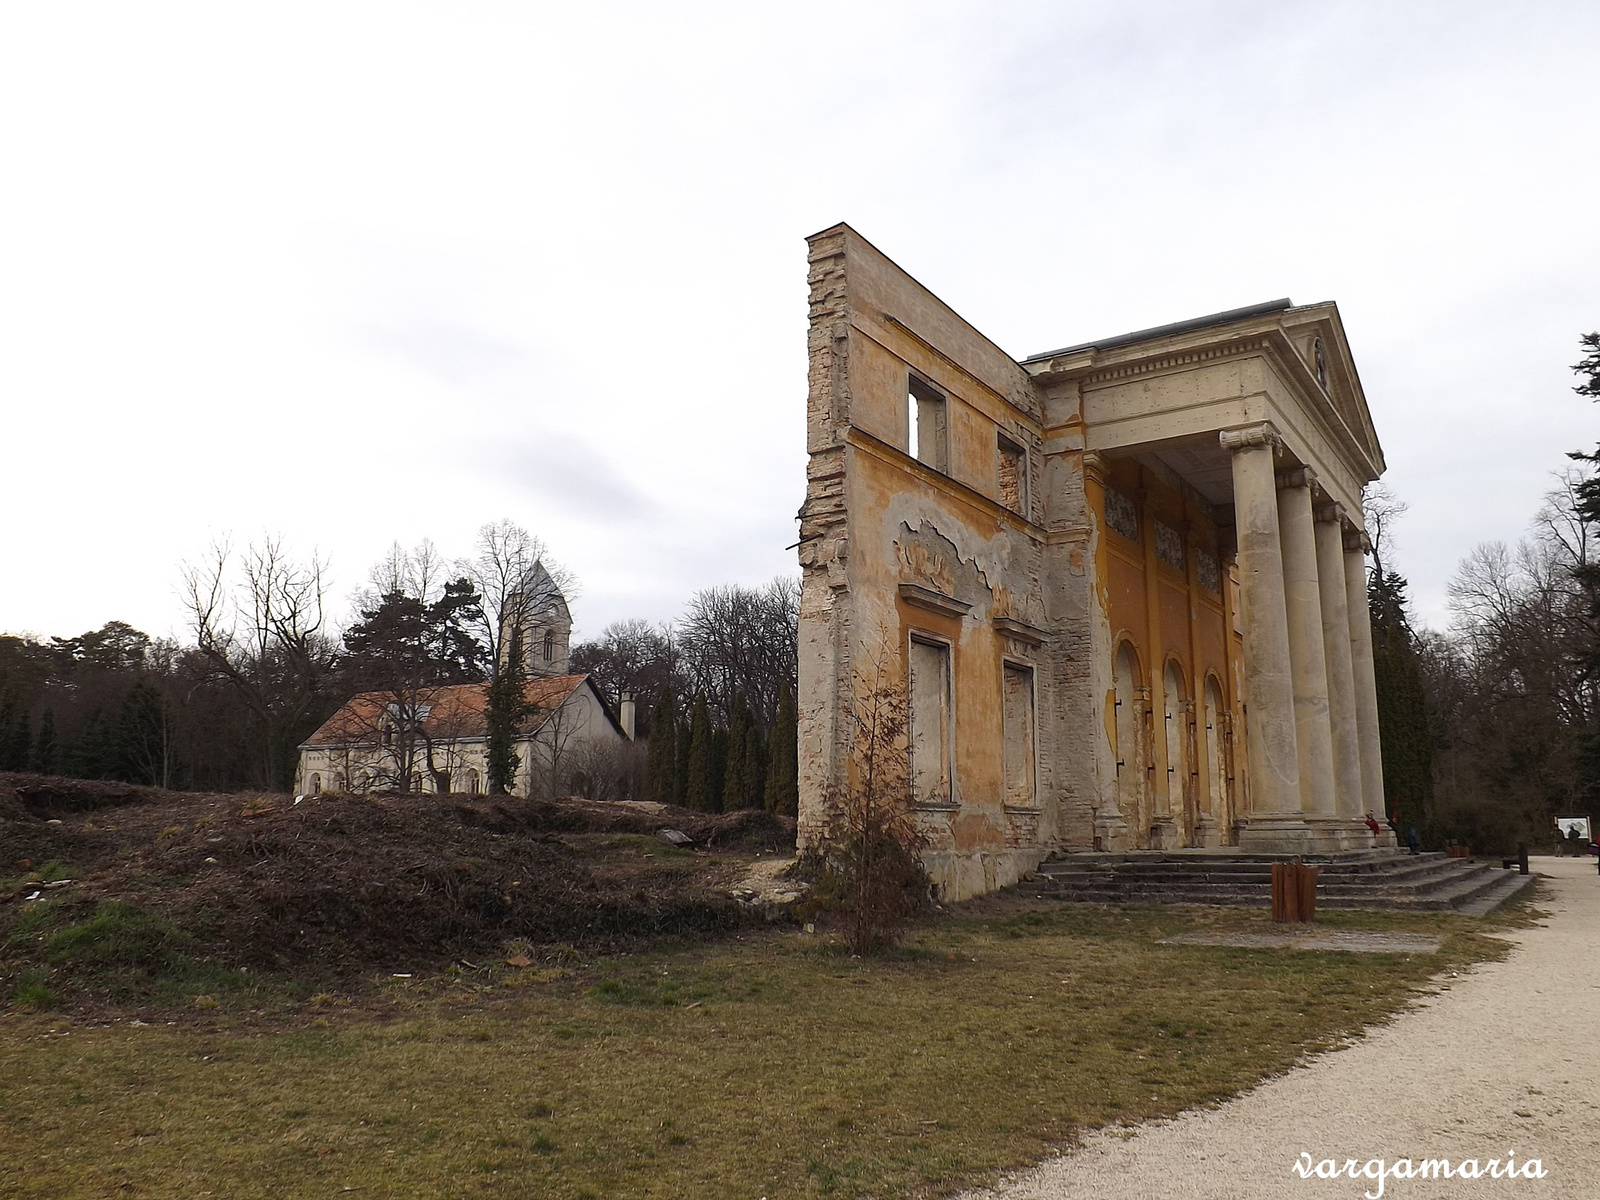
x=1164 y=834
x=1275 y=833
x=1333 y=834
x=1207 y=833
x=1111 y=833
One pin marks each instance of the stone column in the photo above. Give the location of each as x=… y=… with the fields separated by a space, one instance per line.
x=1341 y=672
x=1308 y=661
x=1110 y=831
x=1355 y=583
x=1274 y=822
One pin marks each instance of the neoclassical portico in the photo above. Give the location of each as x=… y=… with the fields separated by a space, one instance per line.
x=1124 y=580
x=1301 y=638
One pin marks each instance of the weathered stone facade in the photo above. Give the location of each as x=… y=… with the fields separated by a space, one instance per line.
x=1086 y=563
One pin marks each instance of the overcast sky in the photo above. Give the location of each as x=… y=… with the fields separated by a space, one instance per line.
x=355 y=273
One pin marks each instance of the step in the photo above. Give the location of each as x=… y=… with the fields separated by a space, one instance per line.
x=1381 y=880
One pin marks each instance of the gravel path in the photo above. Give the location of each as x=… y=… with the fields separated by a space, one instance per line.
x=1501 y=1061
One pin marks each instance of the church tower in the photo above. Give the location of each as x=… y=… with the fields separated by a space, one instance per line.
x=547 y=627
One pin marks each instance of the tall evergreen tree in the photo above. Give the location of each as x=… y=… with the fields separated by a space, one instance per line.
x=93 y=754
x=44 y=746
x=719 y=767
x=699 y=792
x=139 y=742
x=14 y=735
x=660 y=764
x=783 y=761
x=755 y=768
x=736 y=771
x=1407 y=745
x=506 y=707
x=1587 y=576
x=680 y=761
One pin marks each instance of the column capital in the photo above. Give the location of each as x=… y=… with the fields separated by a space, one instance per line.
x=1297 y=477
x=1357 y=542
x=1252 y=436
x=1330 y=513
x=1094 y=466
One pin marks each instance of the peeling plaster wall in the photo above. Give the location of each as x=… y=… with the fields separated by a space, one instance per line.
x=877 y=522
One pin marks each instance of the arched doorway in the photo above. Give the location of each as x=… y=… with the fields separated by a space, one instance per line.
x=1133 y=791
x=1180 y=784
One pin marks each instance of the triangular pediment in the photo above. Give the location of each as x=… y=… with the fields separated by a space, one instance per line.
x=1318 y=337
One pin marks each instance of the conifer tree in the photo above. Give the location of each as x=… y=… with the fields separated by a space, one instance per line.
x=782 y=793
x=14 y=735
x=138 y=743
x=44 y=747
x=680 y=761
x=506 y=706
x=755 y=768
x=736 y=773
x=92 y=755
x=719 y=767
x=699 y=793
x=1405 y=739
x=660 y=769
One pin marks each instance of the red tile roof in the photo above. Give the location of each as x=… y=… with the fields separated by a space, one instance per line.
x=456 y=711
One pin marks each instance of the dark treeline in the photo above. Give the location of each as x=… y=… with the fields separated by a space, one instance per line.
x=264 y=665
x=1491 y=728
x=715 y=696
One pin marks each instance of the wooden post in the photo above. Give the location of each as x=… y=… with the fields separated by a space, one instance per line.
x=1294 y=892
x=1522 y=858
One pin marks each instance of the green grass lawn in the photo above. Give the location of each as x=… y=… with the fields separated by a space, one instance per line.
x=773 y=1066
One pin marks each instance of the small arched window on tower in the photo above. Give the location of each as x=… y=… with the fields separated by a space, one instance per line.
x=1319 y=362
x=549 y=644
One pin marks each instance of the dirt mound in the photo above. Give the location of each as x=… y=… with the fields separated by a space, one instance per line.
x=347 y=884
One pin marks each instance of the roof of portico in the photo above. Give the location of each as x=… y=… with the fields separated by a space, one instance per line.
x=1322 y=414
x=1140 y=335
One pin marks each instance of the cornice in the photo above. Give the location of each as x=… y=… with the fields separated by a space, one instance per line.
x=1177 y=358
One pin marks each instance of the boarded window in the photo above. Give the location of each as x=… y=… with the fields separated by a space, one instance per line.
x=1122 y=514
x=1013 y=475
x=930 y=721
x=926 y=415
x=1017 y=709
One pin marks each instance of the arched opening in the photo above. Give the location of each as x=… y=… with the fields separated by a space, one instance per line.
x=1216 y=770
x=315 y=785
x=1132 y=777
x=1180 y=788
x=549 y=644
x=473 y=782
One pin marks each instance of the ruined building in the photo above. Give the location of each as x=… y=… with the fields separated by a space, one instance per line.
x=1124 y=580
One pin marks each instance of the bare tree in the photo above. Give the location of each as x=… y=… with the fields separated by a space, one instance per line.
x=517 y=583
x=259 y=621
x=735 y=639
x=516 y=579
x=1380 y=509
x=874 y=871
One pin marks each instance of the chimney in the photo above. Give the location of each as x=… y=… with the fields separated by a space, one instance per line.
x=627 y=714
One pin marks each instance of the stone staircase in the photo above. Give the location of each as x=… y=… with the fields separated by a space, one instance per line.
x=1380 y=879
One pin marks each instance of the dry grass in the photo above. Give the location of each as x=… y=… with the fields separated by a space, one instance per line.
x=773 y=1066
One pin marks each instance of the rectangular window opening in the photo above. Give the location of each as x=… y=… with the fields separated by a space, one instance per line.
x=1013 y=475
x=930 y=721
x=1018 y=734
x=927 y=421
